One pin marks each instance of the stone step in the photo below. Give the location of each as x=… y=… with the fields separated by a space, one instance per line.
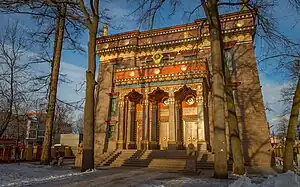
x=112 y=158
x=174 y=164
x=210 y=165
x=163 y=159
x=107 y=156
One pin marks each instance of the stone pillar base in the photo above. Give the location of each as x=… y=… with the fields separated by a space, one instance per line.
x=131 y=145
x=180 y=146
x=202 y=146
x=172 y=145
x=145 y=144
x=191 y=164
x=120 y=145
x=153 y=145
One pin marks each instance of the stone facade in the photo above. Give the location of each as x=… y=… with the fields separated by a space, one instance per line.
x=154 y=89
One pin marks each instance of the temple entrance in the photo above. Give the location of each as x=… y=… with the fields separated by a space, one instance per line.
x=163 y=124
x=159 y=119
x=187 y=118
x=133 y=117
x=162 y=119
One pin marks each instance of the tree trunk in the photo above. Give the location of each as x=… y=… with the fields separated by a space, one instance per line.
x=238 y=158
x=88 y=127
x=59 y=35
x=218 y=89
x=291 y=134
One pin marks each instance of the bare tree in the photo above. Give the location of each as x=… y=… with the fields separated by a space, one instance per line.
x=282 y=127
x=78 y=125
x=14 y=77
x=291 y=134
x=62 y=119
x=292 y=92
x=91 y=15
x=58 y=43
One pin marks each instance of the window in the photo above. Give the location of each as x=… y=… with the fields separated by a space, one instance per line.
x=34 y=125
x=41 y=133
x=229 y=59
x=32 y=134
x=113 y=106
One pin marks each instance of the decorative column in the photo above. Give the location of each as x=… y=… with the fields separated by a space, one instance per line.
x=179 y=130
x=128 y=123
x=172 y=125
x=120 y=143
x=145 y=127
x=131 y=126
x=153 y=142
x=201 y=144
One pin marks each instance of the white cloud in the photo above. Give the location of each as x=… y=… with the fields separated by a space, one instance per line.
x=67 y=91
x=272 y=96
x=75 y=76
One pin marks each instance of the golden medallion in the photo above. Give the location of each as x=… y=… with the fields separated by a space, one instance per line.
x=157 y=58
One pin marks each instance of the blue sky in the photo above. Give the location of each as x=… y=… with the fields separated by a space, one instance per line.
x=74 y=64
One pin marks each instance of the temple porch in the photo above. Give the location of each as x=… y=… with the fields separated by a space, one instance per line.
x=164 y=118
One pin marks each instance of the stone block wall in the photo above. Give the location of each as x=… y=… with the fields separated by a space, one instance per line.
x=250 y=107
x=101 y=112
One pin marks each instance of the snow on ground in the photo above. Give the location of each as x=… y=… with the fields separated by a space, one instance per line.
x=29 y=174
x=288 y=179
x=24 y=174
x=189 y=182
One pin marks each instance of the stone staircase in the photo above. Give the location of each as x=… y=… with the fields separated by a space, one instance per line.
x=162 y=159
x=205 y=161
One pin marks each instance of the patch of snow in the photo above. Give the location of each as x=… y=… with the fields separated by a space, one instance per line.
x=288 y=179
x=25 y=174
x=188 y=182
x=243 y=182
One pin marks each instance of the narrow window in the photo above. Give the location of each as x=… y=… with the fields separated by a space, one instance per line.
x=229 y=59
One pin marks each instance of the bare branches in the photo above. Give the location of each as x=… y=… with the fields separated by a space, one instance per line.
x=229 y=3
x=13 y=72
x=86 y=14
x=152 y=8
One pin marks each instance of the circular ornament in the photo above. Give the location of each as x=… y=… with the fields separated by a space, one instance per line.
x=149 y=40
x=157 y=58
x=131 y=74
x=126 y=42
x=156 y=71
x=166 y=102
x=190 y=100
x=186 y=34
x=183 y=67
x=105 y=46
x=240 y=23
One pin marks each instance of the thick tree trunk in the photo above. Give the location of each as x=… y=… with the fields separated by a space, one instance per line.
x=291 y=134
x=218 y=88
x=59 y=35
x=88 y=127
x=238 y=158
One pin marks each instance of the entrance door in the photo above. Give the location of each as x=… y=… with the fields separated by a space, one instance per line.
x=190 y=133
x=163 y=131
x=163 y=126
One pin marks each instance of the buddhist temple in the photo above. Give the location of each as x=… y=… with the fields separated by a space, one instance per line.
x=154 y=90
